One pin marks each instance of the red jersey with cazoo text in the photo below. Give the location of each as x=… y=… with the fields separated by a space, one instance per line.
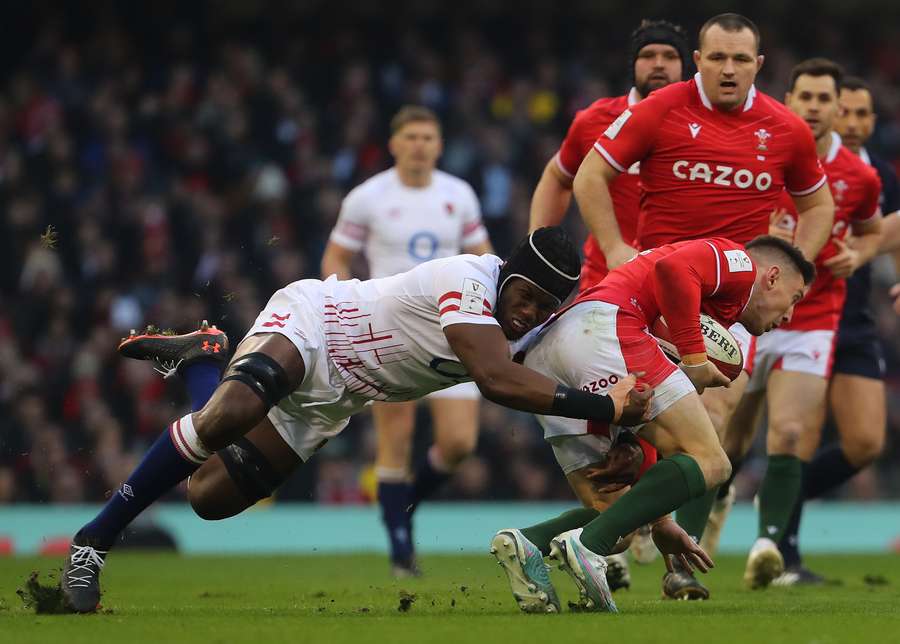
x=625 y=190
x=706 y=172
x=678 y=282
x=855 y=188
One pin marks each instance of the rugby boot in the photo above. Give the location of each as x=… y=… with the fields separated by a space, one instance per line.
x=171 y=351
x=405 y=569
x=642 y=547
x=526 y=571
x=682 y=584
x=80 y=581
x=618 y=576
x=764 y=564
x=798 y=576
x=587 y=570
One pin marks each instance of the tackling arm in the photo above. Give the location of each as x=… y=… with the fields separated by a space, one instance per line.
x=482 y=349
x=591 y=187
x=815 y=217
x=551 y=198
x=861 y=248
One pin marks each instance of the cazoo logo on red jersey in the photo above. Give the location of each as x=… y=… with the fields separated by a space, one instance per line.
x=722 y=175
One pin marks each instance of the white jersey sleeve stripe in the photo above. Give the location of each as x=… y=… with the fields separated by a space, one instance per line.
x=609 y=158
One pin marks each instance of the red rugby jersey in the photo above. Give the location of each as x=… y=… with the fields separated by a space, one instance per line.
x=625 y=190
x=678 y=282
x=856 y=188
x=706 y=172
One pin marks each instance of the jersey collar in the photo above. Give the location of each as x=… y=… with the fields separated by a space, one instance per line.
x=834 y=148
x=751 y=95
x=864 y=155
x=633 y=97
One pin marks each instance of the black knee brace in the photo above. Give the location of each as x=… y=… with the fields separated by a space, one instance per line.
x=262 y=374
x=250 y=470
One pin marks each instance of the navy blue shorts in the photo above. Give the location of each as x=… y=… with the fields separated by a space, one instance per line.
x=858 y=352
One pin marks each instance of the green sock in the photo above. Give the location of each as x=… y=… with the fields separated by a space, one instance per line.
x=692 y=515
x=778 y=493
x=663 y=488
x=541 y=534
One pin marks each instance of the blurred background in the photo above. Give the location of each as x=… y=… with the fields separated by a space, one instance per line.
x=168 y=162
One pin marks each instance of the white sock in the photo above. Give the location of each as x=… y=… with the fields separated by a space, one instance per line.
x=186 y=441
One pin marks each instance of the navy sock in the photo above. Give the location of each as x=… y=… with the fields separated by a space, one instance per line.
x=162 y=468
x=428 y=480
x=829 y=469
x=394 y=498
x=201 y=379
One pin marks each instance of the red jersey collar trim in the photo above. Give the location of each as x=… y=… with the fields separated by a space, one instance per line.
x=834 y=148
x=633 y=97
x=751 y=95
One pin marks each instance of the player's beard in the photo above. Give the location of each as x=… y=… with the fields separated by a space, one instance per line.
x=650 y=85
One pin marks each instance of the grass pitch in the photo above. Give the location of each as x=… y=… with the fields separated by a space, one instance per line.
x=337 y=599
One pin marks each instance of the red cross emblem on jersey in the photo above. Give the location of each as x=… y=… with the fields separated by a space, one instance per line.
x=449 y=208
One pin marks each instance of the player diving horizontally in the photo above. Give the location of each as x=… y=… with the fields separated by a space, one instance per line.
x=321 y=351
x=602 y=338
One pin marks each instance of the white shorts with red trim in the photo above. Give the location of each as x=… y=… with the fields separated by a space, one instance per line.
x=320 y=407
x=462 y=391
x=809 y=352
x=591 y=347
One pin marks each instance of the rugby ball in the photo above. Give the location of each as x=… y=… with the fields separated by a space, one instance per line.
x=721 y=347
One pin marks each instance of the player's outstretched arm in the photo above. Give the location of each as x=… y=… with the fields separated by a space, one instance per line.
x=551 y=197
x=482 y=349
x=858 y=251
x=815 y=217
x=595 y=204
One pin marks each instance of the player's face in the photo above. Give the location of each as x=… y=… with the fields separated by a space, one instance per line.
x=856 y=119
x=772 y=301
x=416 y=146
x=728 y=62
x=522 y=307
x=656 y=66
x=815 y=100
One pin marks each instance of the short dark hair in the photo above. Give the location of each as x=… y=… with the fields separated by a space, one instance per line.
x=787 y=251
x=732 y=22
x=855 y=83
x=413 y=114
x=818 y=67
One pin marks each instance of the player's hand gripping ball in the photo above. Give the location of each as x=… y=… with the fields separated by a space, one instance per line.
x=721 y=347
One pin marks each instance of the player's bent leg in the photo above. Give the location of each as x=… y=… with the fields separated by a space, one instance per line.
x=859 y=408
x=394 y=426
x=721 y=402
x=455 y=422
x=238 y=476
x=265 y=369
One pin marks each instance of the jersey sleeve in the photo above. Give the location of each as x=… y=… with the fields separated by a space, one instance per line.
x=631 y=136
x=352 y=228
x=571 y=152
x=868 y=205
x=473 y=230
x=465 y=291
x=682 y=279
x=804 y=173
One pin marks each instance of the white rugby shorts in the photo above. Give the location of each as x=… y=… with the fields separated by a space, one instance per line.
x=809 y=352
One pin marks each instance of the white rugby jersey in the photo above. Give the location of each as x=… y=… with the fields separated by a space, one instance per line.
x=400 y=227
x=385 y=336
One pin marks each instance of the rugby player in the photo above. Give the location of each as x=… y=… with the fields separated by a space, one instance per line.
x=321 y=351
x=715 y=155
x=856 y=393
x=793 y=363
x=399 y=218
x=659 y=56
x=603 y=337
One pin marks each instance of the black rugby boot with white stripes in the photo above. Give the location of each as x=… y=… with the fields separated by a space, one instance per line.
x=80 y=581
x=172 y=351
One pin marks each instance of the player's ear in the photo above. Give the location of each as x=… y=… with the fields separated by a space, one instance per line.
x=759 y=62
x=772 y=276
x=696 y=57
x=392 y=145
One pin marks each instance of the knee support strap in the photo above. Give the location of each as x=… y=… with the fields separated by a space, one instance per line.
x=263 y=375
x=250 y=470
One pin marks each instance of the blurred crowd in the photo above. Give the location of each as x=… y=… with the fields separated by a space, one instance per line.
x=166 y=165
